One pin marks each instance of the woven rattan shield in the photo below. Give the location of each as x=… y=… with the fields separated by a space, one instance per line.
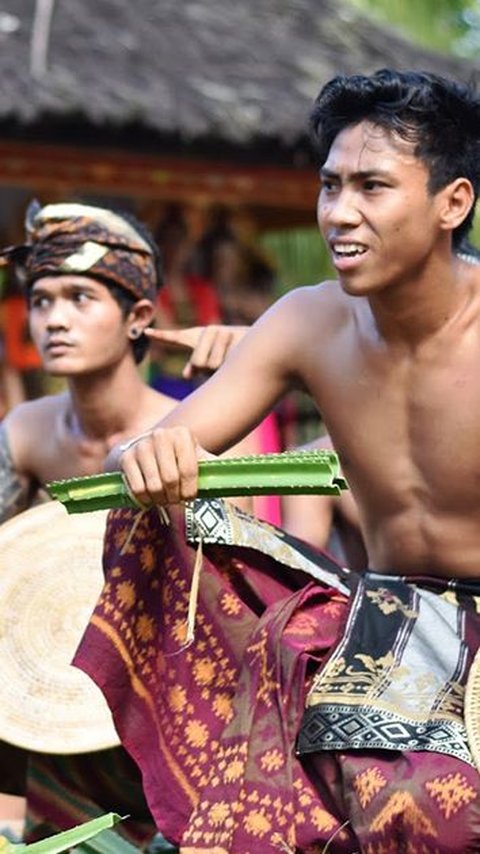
x=50 y=580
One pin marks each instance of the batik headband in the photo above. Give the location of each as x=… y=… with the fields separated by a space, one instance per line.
x=86 y=240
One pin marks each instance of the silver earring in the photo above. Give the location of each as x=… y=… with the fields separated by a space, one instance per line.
x=134 y=332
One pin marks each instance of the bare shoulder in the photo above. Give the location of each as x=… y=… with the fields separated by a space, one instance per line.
x=291 y=328
x=473 y=272
x=36 y=412
x=307 y=315
x=29 y=424
x=314 y=303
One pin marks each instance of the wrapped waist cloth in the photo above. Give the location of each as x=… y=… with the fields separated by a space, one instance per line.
x=213 y=722
x=397 y=679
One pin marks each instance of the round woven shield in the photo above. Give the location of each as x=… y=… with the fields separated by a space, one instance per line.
x=472 y=710
x=50 y=580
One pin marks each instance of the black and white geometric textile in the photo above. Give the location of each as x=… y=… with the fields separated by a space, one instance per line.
x=396 y=680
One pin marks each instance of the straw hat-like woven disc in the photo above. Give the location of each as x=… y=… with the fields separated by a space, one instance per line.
x=50 y=580
x=472 y=710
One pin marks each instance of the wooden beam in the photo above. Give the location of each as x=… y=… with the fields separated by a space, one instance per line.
x=65 y=170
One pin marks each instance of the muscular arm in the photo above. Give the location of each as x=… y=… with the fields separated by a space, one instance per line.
x=14 y=489
x=262 y=366
x=259 y=370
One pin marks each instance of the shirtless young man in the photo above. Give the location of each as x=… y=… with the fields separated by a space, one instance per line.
x=87 y=318
x=392 y=340
x=390 y=351
x=92 y=278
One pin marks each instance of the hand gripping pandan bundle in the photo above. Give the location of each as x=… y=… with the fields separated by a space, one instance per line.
x=289 y=473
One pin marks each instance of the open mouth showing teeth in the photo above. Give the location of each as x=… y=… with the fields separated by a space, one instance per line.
x=348 y=250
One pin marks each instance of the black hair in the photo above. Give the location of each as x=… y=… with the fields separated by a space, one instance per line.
x=440 y=117
x=126 y=301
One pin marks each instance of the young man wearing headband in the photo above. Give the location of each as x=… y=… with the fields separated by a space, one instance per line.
x=91 y=277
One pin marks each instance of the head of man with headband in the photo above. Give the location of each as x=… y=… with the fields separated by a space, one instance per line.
x=85 y=240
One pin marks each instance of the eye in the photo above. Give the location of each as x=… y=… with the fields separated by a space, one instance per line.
x=328 y=185
x=372 y=184
x=80 y=297
x=39 y=301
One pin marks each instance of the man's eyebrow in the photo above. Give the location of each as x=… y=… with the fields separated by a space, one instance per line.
x=84 y=286
x=360 y=175
x=69 y=288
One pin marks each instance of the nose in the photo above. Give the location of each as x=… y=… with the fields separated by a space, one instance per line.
x=339 y=209
x=57 y=317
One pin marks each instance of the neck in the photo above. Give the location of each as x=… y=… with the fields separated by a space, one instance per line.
x=413 y=310
x=106 y=403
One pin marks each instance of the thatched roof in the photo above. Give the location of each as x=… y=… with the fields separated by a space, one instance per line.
x=233 y=71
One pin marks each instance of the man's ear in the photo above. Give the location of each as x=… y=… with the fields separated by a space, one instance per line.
x=140 y=316
x=456 y=201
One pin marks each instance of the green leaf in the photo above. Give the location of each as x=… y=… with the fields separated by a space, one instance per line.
x=71 y=838
x=7 y=847
x=107 y=842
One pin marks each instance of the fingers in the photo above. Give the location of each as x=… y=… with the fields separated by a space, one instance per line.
x=184 y=339
x=210 y=351
x=162 y=467
x=210 y=345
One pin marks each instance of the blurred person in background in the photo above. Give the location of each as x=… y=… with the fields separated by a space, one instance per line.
x=17 y=352
x=188 y=298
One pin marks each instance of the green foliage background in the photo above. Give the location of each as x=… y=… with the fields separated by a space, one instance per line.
x=450 y=26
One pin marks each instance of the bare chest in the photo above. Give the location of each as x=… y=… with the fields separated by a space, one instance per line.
x=69 y=458
x=407 y=426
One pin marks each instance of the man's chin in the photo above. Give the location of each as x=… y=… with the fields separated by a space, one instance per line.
x=60 y=367
x=354 y=289
x=358 y=288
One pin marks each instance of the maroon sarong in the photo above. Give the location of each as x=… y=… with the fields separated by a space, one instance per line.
x=213 y=725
